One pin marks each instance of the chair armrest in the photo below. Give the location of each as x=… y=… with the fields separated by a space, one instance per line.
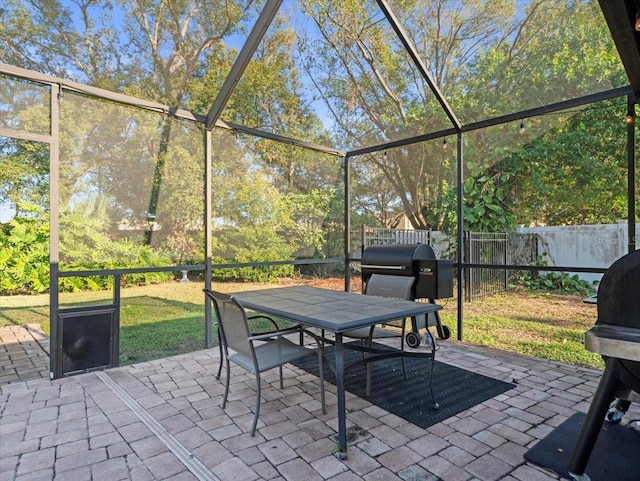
x=318 y=338
x=268 y=335
x=276 y=328
x=260 y=316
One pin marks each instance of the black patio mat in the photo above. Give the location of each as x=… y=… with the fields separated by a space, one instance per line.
x=614 y=457
x=455 y=389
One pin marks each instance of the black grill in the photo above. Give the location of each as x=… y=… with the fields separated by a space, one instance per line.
x=618 y=294
x=433 y=277
x=616 y=336
x=619 y=305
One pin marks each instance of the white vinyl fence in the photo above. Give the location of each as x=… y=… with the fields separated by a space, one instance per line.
x=596 y=246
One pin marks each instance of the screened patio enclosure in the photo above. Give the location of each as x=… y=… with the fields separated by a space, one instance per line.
x=254 y=141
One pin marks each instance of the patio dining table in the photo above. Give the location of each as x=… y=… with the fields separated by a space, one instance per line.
x=335 y=312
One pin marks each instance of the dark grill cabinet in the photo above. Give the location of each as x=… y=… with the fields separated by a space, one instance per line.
x=87 y=340
x=435 y=279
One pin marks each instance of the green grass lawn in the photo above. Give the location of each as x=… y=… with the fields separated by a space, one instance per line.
x=549 y=326
x=167 y=319
x=155 y=321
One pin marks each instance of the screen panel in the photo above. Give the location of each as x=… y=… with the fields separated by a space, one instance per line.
x=25 y=105
x=131 y=186
x=274 y=201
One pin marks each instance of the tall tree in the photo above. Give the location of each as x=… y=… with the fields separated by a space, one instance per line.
x=270 y=96
x=531 y=176
x=24 y=175
x=147 y=48
x=489 y=58
x=375 y=94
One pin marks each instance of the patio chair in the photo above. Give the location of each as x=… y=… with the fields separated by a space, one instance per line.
x=256 y=353
x=386 y=286
x=250 y=318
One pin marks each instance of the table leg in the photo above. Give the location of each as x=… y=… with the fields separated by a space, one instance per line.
x=342 y=413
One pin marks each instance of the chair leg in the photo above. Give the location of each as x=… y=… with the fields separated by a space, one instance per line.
x=592 y=423
x=258 y=399
x=220 y=366
x=369 y=370
x=404 y=364
x=432 y=360
x=221 y=355
x=226 y=384
x=321 y=372
x=281 y=382
x=433 y=363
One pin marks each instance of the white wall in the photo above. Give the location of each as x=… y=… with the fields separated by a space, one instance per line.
x=582 y=245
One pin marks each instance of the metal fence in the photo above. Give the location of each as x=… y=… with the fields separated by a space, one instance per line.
x=500 y=249
x=485 y=248
x=371 y=236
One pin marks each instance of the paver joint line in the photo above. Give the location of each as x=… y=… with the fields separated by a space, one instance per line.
x=198 y=469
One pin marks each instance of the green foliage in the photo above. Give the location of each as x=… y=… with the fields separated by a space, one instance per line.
x=522 y=57
x=487 y=204
x=275 y=201
x=575 y=173
x=261 y=216
x=313 y=214
x=24 y=256
x=24 y=172
x=253 y=274
x=264 y=248
x=85 y=244
x=126 y=254
x=556 y=281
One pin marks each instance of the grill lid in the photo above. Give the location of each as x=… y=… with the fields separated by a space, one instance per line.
x=400 y=256
x=619 y=293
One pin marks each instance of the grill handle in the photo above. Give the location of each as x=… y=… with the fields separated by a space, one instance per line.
x=391 y=268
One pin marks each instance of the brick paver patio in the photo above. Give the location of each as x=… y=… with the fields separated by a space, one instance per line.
x=162 y=420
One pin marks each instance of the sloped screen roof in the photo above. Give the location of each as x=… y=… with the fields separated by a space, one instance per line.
x=347 y=75
x=370 y=75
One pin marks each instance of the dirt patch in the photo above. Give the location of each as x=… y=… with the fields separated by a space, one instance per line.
x=333 y=283
x=328 y=283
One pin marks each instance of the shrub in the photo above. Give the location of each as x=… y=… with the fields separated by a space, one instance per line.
x=24 y=259
x=24 y=256
x=557 y=281
x=249 y=245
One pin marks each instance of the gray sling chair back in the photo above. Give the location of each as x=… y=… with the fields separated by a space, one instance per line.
x=250 y=318
x=256 y=353
x=385 y=286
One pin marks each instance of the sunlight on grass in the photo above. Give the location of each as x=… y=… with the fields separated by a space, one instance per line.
x=155 y=321
x=534 y=324
x=166 y=319
x=152 y=327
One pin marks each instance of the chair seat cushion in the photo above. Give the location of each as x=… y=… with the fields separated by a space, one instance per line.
x=378 y=333
x=271 y=354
